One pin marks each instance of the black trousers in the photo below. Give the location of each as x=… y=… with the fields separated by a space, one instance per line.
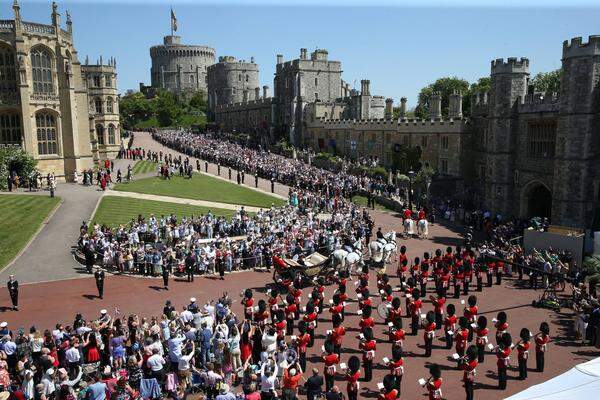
x=438 y=321
x=428 y=344
x=14 y=297
x=311 y=333
x=289 y=326
x=190 y=276
x=469 y=389
x=352 y=395
x=302 y=359
x=498 y=277
x=368 y=366
x=100 y=287
x=489 y=279
x=539 y=361
x=479 y=283
x=502 y=378
x=449 y=340
x=329 y=382
x=165 y=280
x=480 y=353
x=398 y=384
x=522 y=369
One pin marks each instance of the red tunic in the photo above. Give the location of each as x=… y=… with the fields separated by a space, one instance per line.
x=330 y=361
x=391 y=395
x=541 y=342
x=461 y=337
x=471 y=313
x=337 y=334
x=434 y=386
x=469 y=368
x=368 y=349
x=396 y=367
x=302 y=341
x=523 y=351
x=438 y=305
x=450 y=323
x=398 y=336
x=352 y=379
x=366 y=323
x=503 y=356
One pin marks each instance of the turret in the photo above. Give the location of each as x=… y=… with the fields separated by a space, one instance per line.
x=265 y=92
x=303 y=53
x=389 y=108
x=279 y=58
x=365 y=87
x=455 y=106
x=435 y=106
x=256 y=93
x=508 y=83
x=402 y=113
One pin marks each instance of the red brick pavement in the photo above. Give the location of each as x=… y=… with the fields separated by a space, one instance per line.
x=45 y=304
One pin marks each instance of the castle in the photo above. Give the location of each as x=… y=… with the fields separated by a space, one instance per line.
x=62 y=112
x=519 y=153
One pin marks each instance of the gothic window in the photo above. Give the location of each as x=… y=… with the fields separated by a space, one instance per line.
x=98 y=105
x=240 y=77
x=10 y=129
x=444 y=166
x=316 y=81
x=41 y=69
x=405 y=140
x=445 y=142
x=100 y=133
x=541 y=139
x=107 y=80
x=191 y=78
x=46 y=133
x=111 y=134
x=96 y=80
x=8 y=75
x=424 y=141
x=109 y=105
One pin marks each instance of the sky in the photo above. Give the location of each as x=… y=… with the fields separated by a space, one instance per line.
x=400 y=45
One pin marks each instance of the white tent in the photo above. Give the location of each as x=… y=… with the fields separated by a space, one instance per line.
x=580 y=382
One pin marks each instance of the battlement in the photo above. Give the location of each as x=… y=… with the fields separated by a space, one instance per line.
x=539 y=102
x=244 y=105
x=227 y=59
x=512 y=65
x=383 y=123
x=577 y=48
x=100 y=66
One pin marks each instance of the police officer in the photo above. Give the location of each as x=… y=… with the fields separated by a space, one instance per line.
x=256 y=180
x=13 y=290
x=165 y=276
x=272 y=185
x=99 y=276
x=205 y=166
x=190 y=261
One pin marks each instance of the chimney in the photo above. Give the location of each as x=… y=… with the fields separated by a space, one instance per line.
x=389 y=108
x=252 y=60
x=364 y=87
x=455 y=106
x=265 y=92
x=256 y=93
x=279 y=59
x=435 y=106
x=303 y=54
x=402 y=108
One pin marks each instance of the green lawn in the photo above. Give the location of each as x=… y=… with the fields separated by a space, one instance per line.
x=201 y=187
x=116 y=210
x=20 y=218
x=144 y=166
x=362 y=202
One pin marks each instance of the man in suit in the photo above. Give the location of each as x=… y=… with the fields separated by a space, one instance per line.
x=13 y=290
x=99 y=276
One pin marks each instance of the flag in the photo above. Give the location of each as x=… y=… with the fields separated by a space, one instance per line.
x=173 y=21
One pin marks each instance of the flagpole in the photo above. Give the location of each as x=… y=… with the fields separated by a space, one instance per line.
x=171 y=21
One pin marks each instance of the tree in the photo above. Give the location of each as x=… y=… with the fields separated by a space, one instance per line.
x=406 y=159
x=198 y=101
x=482 y=85
x=547 y=82
x=134 y=108
x=17 y=160
x=445 y=86
x=167 y=109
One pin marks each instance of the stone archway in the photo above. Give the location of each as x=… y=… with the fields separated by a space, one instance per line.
x=538 y=201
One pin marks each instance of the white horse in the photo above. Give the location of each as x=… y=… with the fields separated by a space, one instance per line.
x=409 y=227
x=345 y=259
x=380 y=250
x=423 y=228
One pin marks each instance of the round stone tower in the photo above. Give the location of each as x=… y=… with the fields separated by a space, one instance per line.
x=179 y=67
x=232 y=81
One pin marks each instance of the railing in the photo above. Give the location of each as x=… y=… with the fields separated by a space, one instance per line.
x=43 y=97
x=7 y=25
x=32 y=27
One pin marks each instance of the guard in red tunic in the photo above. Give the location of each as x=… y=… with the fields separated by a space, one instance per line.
x=523 y=352
x=295 y=290
x=331 y=359
x=337 y=333
x=450 y=325
x=337 y=306
x=445 y=281
x=416 y=268
x=248 y=303
x=389 y=391
x=459 y=278
x=438 y=309
x=503 y=354
x=470 y=313
x=367 y=321
x=414 y=310
x=429 y=332
x=402 y=264
x=290 y=312
x=368 y=347
x=343 y=297
x=321 y=291
x=461 y=336
x=501 y=326
x=365 y=299
x=541 y=342
x=395 y=313
x=434 y=383
x=273 y=301
x=396 y=366
x=280 y=324
x=262 y=315
x=352 y=376
x=468 y=365
x=482 y=337
x=449 y=256
x=310 y=317
x=301 y=343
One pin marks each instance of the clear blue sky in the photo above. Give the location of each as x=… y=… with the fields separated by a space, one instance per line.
x=400 y=45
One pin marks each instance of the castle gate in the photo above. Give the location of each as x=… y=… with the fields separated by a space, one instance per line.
x=538 y=200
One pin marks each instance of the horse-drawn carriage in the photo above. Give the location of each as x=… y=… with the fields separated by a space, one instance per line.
x=310 y=269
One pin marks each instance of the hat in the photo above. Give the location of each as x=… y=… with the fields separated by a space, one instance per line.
x=50 y=371
x=62 y=371
x=103 y=311
x=3 y=324
x=193 y=299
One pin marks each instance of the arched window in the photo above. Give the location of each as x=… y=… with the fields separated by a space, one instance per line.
x=8 y=75
x=100 y=133
x=41 y=68
x=10 y=129
x=46 y=133
x=107 y=81
x=247 y=77
x=109 y=105
x=111 y=134
x=98 y=105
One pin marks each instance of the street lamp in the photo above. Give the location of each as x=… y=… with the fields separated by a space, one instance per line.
x=411 y=176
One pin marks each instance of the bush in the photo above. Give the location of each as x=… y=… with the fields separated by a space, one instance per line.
x=15 y=159
x=591 y=265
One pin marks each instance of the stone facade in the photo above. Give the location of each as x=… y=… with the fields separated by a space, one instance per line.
x=179 y=68
x=255 y=117
x=232 y=81
x=44 y=98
